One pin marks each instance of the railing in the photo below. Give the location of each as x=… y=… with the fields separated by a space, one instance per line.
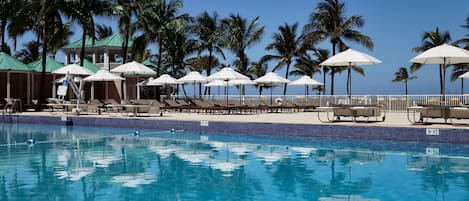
x=388 y=102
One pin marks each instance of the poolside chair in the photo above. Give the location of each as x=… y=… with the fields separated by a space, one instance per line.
x=458 y=113
x=429 y=111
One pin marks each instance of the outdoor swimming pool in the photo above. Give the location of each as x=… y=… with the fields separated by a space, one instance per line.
x=86 y=163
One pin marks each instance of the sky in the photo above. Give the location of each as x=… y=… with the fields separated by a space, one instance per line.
x=395 y=27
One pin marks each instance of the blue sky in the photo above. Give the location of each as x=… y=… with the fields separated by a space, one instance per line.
x=395 y=27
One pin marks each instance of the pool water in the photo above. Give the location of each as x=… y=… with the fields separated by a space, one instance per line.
x=85 y=163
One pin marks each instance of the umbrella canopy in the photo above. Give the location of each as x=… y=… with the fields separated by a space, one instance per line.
x=193 y=77
x=306 y=81
x=216 y=83
x=164 y=79
x=350 y=58
x=227 y=74
x=443 y=54
x=133 y=69
x=103 y=75
x=271 y=78
x=465 y=75
x=72 y=69
x=89 y=65
x=240 y=82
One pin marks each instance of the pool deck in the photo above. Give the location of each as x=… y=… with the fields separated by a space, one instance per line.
x=396 y=126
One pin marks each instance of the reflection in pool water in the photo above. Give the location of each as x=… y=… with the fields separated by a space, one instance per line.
x=79 y=163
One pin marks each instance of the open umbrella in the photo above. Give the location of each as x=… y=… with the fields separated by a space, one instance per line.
x=102 y=76
x=133 y=69
x=193 y=77
x=227 y=74
x=350 y=58
x=272 y=79
x=163 y=80
x=305 y=81
x=443 y=54
x=72 y=69
x=465 y=75
x=217 y=83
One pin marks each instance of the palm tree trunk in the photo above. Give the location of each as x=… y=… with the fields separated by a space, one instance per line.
x=332 y=70
x=2 y=32
x=126 y=44
x=43 y=69
x=286 y=77
x=260 y=90
x=405 y=83
x=324 y=80
x=83 y=43
x=158 y=67
x=462 y=86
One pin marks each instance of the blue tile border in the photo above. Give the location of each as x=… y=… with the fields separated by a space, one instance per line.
x=456 y=136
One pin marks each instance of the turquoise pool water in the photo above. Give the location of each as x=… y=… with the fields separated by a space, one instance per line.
x=82 y=163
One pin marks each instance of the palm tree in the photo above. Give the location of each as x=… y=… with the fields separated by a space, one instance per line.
x=329 y=21
x=305 y=65
x=402 y=75
x=238 y=35
x=8 y=11
x=258 y=70
x=287 y=46
x=429 y=40
x=83 y=12
x=29 y=53
x=102 y=31
x=465 y=41
x=208 y=30
x=458 y=70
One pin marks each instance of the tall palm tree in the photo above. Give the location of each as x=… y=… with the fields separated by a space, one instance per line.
x=429 y=40
x=238 y=35
x=464 y=41
x=102 y=31
x=402 y=75
x=329 y=22
x=83 y=12
x=258 y=70
x=29 y=53
x=208 y=30
x=287 y=46
x=8 y=11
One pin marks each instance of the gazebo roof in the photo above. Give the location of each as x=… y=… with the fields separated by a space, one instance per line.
x=9 y=63
x=115 y=40
x=51 y=65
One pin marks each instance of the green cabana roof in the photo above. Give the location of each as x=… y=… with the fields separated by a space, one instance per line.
x=89 y=65
x=152 y=65
x=9 y=63
x=115 y=40
x=77 y=44
x=51 y=65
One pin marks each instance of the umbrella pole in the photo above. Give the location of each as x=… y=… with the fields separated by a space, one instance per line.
x=444 y=79
x=195 y=91
x=106 y=90
x=271 y=88
x=349 y=83
x=92 y=90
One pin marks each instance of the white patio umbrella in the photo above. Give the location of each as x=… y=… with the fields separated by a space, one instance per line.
x=133 y=69
x=443 y=54
x=227 y=74
x=465 y=75
x=271 y=79
x=217 y=83
x=102 y=76
x=350 y=58
x=193 y=77
x=241 y=83
x=72 y=69
x=164 y=79
x=305 y=81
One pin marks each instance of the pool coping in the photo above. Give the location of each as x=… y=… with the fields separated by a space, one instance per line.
x=408 y=134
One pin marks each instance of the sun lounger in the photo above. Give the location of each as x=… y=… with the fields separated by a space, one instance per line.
x=427 y=112
x=458 y=113
x=356 y=112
